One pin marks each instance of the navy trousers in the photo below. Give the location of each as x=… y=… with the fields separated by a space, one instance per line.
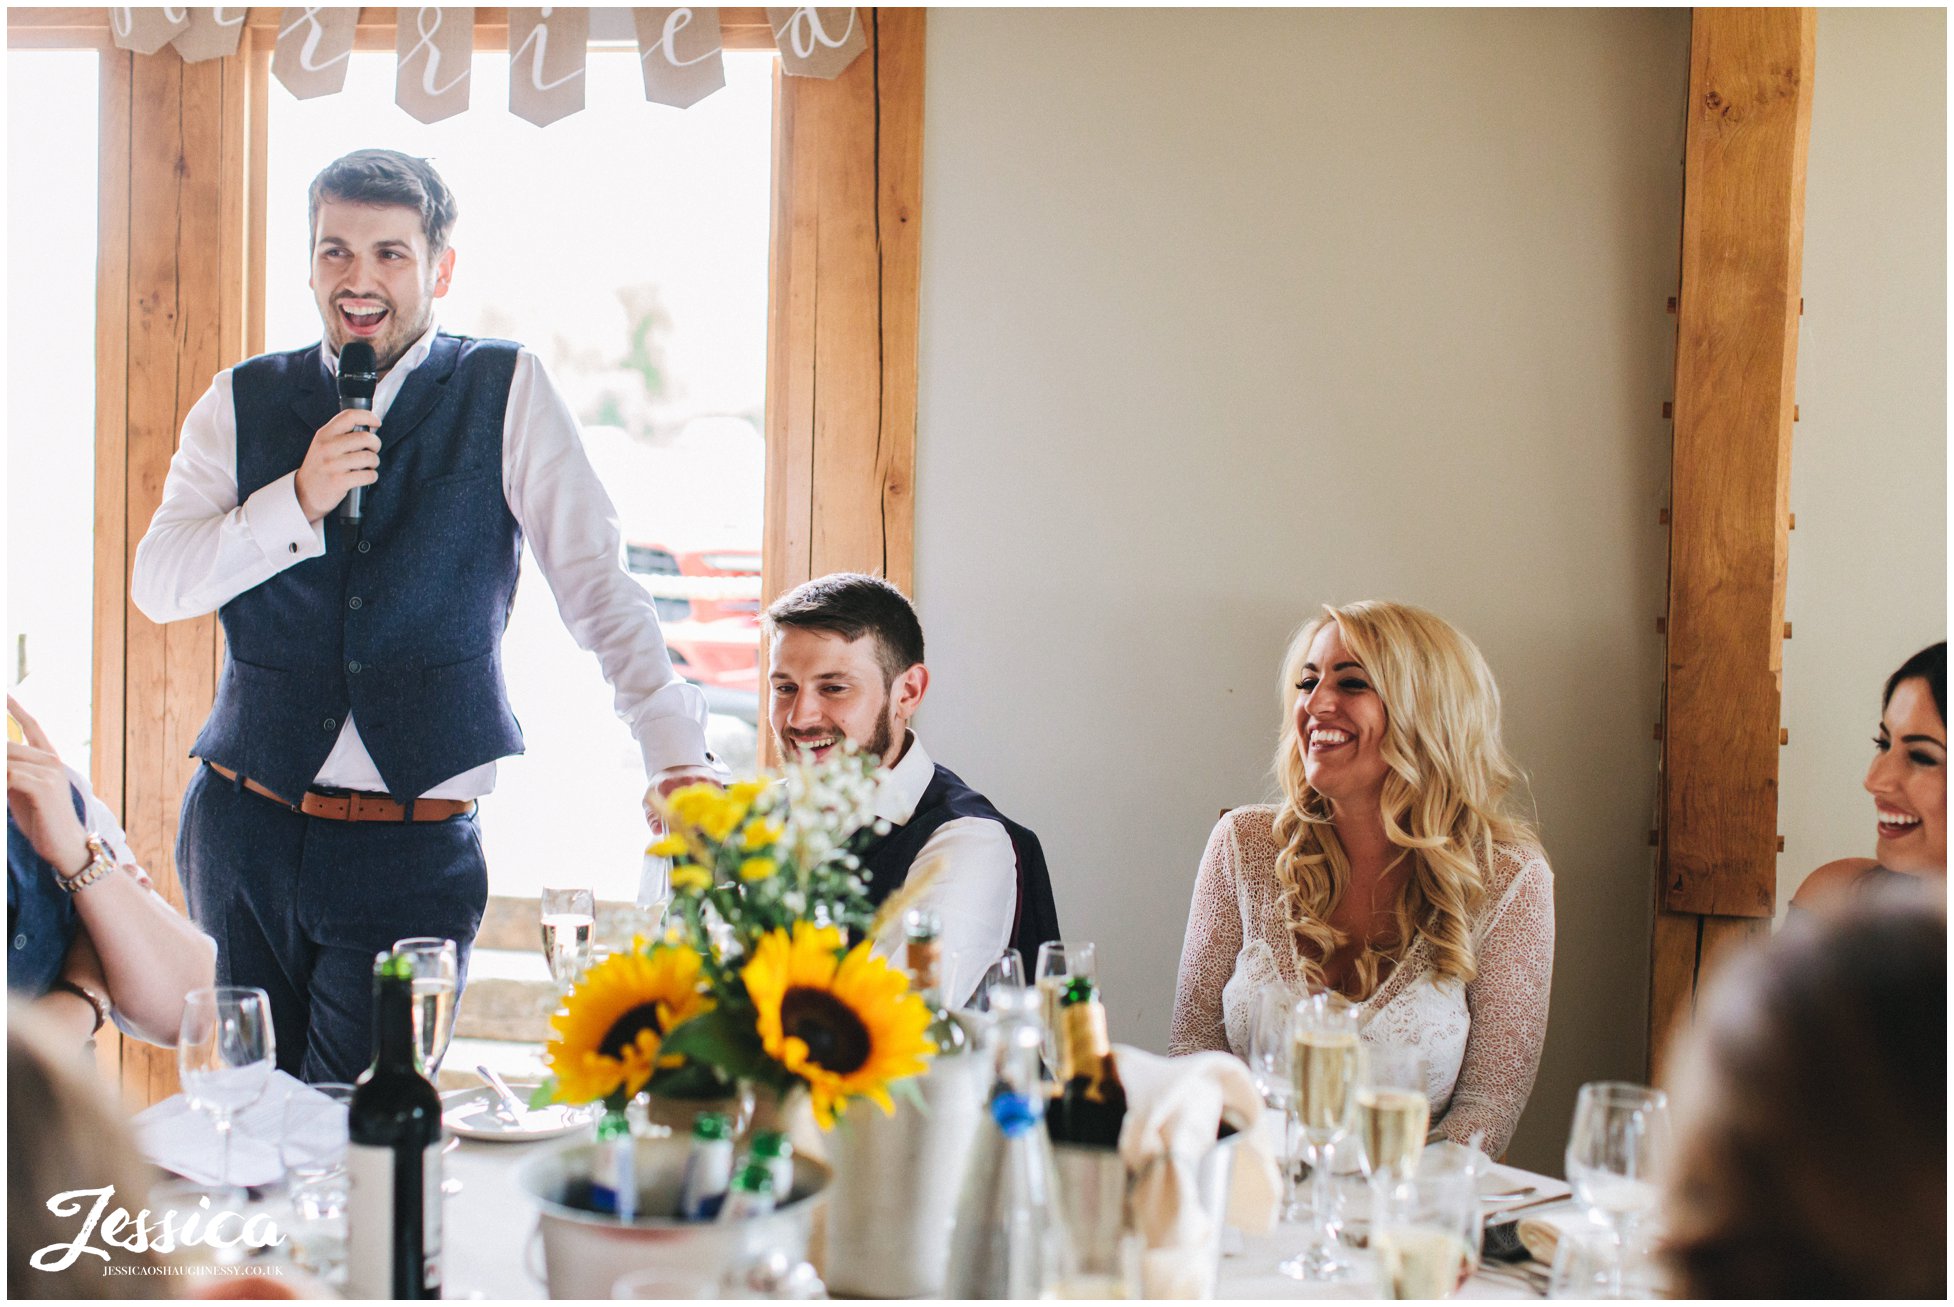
x=299 y=905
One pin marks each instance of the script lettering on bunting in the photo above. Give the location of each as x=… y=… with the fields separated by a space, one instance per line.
x=817 y=42
x=436 y=51
x=546 y=62
x=146 y=30
x=679 y=51
x=315 y=46
x=211 y=34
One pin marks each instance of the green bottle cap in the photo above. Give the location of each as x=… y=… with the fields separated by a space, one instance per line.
x=1079 y=989
x=712 y=1126
x=769 y=1145
x=753 y=1178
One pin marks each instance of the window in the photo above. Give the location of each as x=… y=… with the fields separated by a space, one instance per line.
x=51 y=138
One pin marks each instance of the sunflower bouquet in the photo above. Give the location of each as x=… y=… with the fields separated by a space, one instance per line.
x=764 y=973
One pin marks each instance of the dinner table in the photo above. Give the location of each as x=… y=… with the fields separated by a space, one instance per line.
x=492 y=1252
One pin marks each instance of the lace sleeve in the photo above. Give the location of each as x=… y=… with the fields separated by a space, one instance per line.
x=1214 y=937
x=1508 y=1006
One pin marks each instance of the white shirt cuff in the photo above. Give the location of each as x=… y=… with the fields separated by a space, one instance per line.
x=278 y=526
x=672 y=742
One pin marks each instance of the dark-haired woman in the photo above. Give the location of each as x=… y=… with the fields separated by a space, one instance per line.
x=1908 y=782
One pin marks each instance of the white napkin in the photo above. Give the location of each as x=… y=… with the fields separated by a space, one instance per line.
x=1174 y=1110
x=179 y=1139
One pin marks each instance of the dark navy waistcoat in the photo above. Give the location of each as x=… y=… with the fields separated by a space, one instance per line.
x=41 y=920
x=403 y=628
x=888 y=859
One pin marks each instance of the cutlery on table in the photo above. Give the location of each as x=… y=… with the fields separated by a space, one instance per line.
x=508 y=1105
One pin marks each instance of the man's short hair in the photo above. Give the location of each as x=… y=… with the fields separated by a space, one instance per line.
x=386 y=177
x=852 y=605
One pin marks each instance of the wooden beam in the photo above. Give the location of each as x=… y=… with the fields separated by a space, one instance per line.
x=739 y=28
x=1749 y=129
x=841 y=367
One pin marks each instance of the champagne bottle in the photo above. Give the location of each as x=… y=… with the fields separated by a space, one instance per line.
x=614 y=1185
x=773 y=1150
x=393 y=1155
x=923 y=933
x=1091 y=1102
x=750 y=1194
x=708 y=1168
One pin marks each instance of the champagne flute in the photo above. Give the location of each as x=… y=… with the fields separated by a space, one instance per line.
x=224 y=1056
x=1425 y=1227
x=1268 y=1063
x=1325 y=1068
x=1005 y=973
x=437 y=976
x=1058 y=963
x=1393 y=1114
x=1619 y=1138
x=569 y=917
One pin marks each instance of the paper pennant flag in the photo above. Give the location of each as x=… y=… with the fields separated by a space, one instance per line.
x=146 y=31
x=211 y=34
x=315 y=44
x=817 y=42
x=678 y=49
x=436 y=49
x=546 y=61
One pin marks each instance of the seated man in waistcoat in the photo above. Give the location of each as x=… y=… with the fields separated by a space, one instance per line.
x=361 y=707
x=87 y=936
x=846 y=662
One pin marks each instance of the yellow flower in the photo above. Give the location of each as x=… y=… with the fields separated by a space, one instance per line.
x=758 y=869
x=691 y=876
x=670 y=846
x=745 y=792
x=760 y=833
x=847 y=1025
x=611 y=1027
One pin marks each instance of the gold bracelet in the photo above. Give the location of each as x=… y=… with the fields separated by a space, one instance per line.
x=100 y=863
x=101 y=1005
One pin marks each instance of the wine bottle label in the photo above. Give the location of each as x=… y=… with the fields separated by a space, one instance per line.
x=371 y=1236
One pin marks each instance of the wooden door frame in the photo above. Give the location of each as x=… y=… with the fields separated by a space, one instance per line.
x=184 y=150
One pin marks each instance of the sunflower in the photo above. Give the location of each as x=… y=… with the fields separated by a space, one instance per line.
x=608 y=1034
x=845 y=1024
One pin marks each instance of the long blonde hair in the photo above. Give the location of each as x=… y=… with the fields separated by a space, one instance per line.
x=1445 y=793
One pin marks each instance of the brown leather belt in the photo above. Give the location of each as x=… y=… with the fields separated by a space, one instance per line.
x=356 y=805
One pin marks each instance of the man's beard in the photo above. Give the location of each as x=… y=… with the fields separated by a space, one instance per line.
x=392 y=344
x=877 y=746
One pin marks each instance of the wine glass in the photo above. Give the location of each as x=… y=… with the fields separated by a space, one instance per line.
x=1425 y=1226
x=1058 y=964
x=437 y=977
x=1268 y=1063
x=569 y=916
x=1325 y=1068
x=225 y=1056
x=1620 y=1135
x=1393 y=1114
x=1007 y=972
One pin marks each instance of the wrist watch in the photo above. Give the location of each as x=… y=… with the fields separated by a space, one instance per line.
x=100 y=863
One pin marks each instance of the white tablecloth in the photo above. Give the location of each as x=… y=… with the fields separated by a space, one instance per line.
x=490 y=1222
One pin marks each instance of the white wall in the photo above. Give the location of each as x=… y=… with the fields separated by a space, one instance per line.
x=1229 y=313
x=1867 y=581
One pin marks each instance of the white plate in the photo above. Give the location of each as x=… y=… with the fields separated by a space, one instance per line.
x=472 y=1114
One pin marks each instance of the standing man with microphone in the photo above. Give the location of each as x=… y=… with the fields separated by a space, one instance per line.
x=361 y=707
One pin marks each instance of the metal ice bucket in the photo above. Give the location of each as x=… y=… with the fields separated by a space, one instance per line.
x=584 y=1253
x=897 y=1180
x=1093 y=1188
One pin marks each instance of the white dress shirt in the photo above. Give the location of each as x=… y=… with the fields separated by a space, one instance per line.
x=976 y=893
x=204 y=548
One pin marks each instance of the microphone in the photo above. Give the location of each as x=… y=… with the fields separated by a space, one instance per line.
x=359 y=377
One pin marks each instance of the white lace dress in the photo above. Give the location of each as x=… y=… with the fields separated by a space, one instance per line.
x=1481 y=1041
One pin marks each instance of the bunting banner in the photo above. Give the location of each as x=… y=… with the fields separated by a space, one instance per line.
x=315 y=44
x=678 y=49
x=145 y=31
x=817 y=42
x=681 y=51
x=546 y=62
x=211 y=33
x=435 y=48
